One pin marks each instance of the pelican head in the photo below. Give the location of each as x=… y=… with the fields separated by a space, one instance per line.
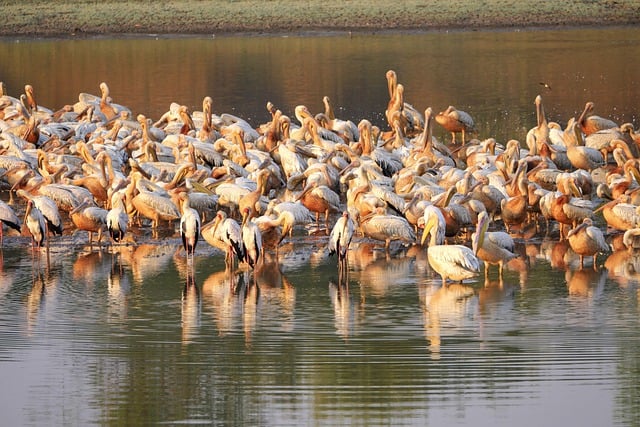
x=433 y=219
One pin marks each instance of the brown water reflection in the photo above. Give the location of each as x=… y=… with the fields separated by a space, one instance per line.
x=493 y=75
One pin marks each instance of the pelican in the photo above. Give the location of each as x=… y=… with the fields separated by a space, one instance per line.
x=9 y=218
x=225 y=233
x=587 y=240
x=153 y=206
x=251 y=238
x=494 y=247
x=91 y=219
x=454 y=120
x=380 y=226
x=540 y=133
x=590 y=123
x=456 y=262
x=274 y=231
x=320 y=199
x=189 y=225
x=581 y=157
x=620 y=214
x=117 y=218
x=340 y=239
x=631 y=239
x=35 y=222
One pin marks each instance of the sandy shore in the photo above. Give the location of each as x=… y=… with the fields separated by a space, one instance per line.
x=52 y=18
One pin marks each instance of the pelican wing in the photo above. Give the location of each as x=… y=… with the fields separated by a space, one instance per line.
x=501 y=239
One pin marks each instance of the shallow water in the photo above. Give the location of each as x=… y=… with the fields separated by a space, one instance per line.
x=123 y=336
x=132 y=335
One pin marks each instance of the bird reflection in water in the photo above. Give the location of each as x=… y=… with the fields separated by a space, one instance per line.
x=586 y=283
x=623 y=267
x=91 y=267
x=118 y=287
x=445 y=309
x=377 y=271
x=276 y=289
x=346 y=312
x=231 y=293
x=148 y=260
x=44 y=283
x=191 y=309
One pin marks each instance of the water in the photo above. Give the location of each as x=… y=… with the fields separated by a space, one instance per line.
x=129 y=336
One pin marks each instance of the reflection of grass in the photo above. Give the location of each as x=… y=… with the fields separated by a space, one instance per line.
x=199 y=16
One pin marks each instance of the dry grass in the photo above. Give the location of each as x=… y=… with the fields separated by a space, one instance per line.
x=57 y=18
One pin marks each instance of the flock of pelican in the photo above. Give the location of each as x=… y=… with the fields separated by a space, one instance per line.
x=92 y=166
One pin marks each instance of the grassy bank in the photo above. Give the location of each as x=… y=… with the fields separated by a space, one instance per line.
x=62 y=18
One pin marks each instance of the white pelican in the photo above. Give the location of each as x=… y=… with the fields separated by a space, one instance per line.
x=189 y=226
x=456 y=262
x=9 y=218
x=494 y=247
x=340 y=239
x=153 y=205
x=225 y=233
x=383 y=227
x=587 y=240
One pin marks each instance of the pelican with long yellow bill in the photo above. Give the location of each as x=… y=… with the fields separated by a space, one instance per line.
x=455 y=262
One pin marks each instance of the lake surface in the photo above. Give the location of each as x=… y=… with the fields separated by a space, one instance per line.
x=134 y=335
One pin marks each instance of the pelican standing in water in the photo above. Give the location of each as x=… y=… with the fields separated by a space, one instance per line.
x=91 y=219
x=381 y=226
x=587 y=240
x=455 y=262
x=340 y=239
x=189 y=226
x=494 y=247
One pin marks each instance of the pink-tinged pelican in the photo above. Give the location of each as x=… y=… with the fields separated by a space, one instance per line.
x=117 y=218
x=454 y=120
x=35 y=222
x=9 y=218
x=189 y=226
x=251 y=238
x=590 y=123
x=225 y=233
x=587 y=240
x=340 y=239
x=384 y=227
x=320 y=199
x=91 y=219
x=455 y=262
x=494 y=247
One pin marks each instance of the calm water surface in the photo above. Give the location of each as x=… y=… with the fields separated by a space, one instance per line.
x=133 y=336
